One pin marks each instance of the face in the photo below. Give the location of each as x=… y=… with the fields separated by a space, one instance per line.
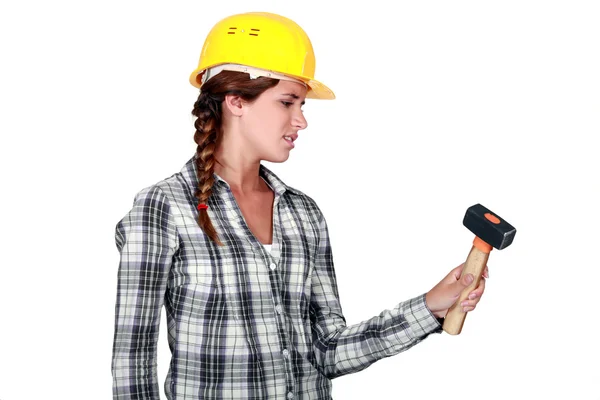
x=271 y=123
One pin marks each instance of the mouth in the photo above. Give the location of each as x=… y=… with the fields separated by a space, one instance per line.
x=290 y=139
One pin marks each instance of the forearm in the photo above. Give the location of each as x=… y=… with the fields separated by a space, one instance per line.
x=137 y=321
x=134 y=372
x=348 y=349
x=341 y=349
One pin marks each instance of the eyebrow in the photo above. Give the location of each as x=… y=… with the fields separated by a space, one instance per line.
x=294 y=96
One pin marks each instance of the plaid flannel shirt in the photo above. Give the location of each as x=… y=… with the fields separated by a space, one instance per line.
x=242 y=323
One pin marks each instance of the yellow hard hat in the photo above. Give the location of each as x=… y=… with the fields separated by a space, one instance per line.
x=263 y=41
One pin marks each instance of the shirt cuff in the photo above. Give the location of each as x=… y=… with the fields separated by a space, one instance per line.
x=421 y=320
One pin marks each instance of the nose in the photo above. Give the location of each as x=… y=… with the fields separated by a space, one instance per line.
x=298 y=121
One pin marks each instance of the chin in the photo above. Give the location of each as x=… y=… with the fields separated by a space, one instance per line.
x=278 y=158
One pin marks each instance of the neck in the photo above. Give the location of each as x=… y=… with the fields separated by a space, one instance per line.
x=236 y=163
x=241 y=174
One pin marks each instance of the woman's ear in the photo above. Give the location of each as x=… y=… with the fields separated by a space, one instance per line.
x=234 y=104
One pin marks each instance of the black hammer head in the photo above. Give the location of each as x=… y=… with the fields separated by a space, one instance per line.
x=489 y=227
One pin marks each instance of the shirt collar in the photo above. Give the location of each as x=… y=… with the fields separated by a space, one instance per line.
x=190 y=175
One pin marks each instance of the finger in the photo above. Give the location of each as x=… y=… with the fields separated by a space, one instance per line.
x=467 y=279
x=481 y=286
x=468 y=309
x=478 y=292
x=473 y=299
x=469 y=305
x=486 y=272
x=457 y=272
x=459 y=285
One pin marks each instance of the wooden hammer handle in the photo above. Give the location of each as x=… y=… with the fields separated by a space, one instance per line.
x=476 y=262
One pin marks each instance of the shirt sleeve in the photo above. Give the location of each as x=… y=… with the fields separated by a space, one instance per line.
x=341 y=349
x=146 y=239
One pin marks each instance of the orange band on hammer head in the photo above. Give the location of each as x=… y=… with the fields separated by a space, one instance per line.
x=492 y=218
x=481 y=245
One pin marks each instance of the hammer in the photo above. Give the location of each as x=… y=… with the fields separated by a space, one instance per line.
x=490 y=231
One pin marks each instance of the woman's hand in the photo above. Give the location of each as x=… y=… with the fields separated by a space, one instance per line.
x=444 y=294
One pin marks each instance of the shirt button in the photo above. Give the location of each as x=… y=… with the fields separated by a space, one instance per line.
x=286 y=353
x=290 y=395
x=272 y=266
x=278 y=308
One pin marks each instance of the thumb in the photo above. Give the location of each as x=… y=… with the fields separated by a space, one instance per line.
x=463 y=282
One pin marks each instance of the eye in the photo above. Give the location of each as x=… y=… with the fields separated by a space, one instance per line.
x=286 y=104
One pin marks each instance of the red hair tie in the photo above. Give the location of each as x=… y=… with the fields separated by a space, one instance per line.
x=202 y=206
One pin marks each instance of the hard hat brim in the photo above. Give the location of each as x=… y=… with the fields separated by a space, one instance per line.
x=317 y=90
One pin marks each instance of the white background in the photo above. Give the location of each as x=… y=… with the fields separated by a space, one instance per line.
x=440 y=105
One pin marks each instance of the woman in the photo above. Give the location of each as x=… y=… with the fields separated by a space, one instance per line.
x=241 y=261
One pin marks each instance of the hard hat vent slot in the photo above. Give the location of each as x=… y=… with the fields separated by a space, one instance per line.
x=253 y=31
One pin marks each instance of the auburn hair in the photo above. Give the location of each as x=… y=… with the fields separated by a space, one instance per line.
x=208 y=112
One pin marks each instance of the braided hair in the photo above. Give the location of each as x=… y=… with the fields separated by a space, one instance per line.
x=208 y=112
